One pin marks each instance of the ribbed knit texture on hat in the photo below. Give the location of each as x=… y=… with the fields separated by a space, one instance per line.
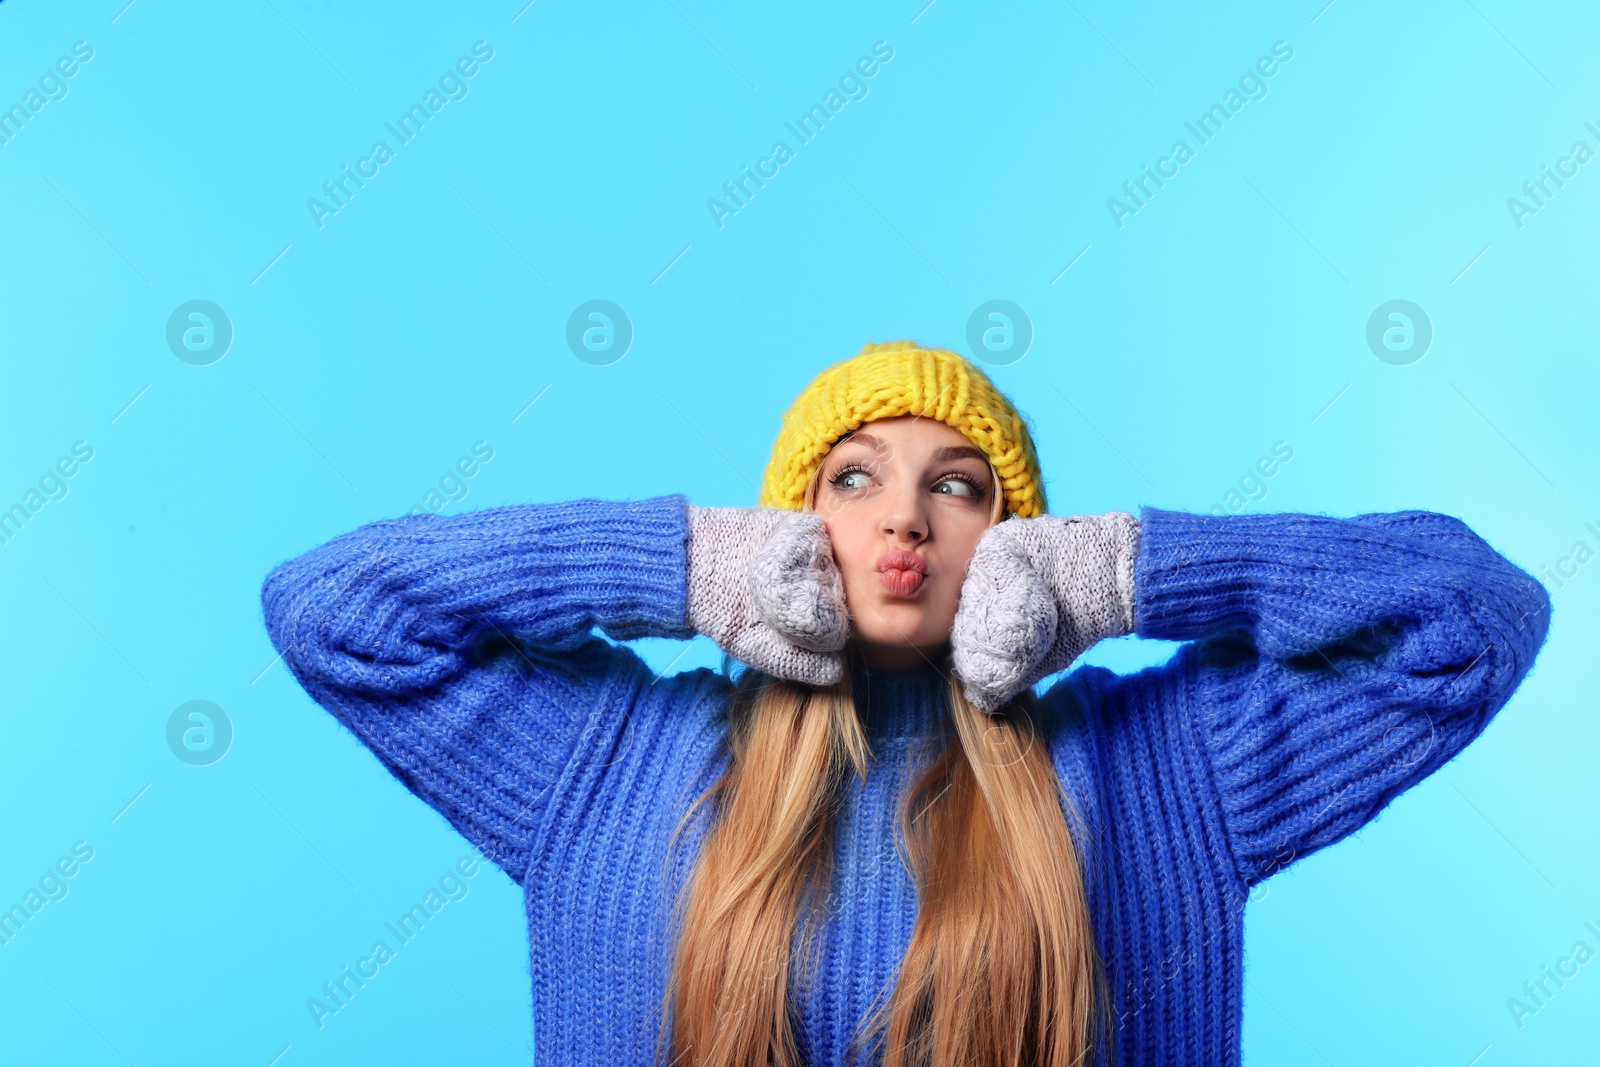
x=902 y=378
x=1342 y=661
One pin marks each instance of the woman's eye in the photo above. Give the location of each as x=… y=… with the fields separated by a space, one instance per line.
x=957 y=487
x=849 y=480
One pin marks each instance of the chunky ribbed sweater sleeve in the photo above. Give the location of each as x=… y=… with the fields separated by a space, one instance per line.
x=1348 y=659
x=460 y=648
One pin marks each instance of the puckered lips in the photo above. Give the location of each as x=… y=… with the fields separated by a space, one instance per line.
x=901 y=572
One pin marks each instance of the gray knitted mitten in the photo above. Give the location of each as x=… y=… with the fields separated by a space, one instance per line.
x=764 y=586
x=1037 y=594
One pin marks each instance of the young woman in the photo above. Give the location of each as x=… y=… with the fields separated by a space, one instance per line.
x=875 y=841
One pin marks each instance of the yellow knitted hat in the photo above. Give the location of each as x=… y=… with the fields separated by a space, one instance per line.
x=902 y=378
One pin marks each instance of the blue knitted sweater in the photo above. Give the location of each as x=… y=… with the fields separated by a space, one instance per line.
x=1327 y=664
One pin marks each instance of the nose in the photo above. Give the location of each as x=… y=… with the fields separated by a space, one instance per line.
x=905 y=516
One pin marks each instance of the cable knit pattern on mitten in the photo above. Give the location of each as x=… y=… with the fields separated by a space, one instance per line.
x=764 y=586
x=1039 y=593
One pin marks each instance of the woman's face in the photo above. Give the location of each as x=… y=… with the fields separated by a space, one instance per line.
x=904 y=501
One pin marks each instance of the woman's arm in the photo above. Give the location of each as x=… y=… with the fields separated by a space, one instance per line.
x=1348 y=659
x=460 y=648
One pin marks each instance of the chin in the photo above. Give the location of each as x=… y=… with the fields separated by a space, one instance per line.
x=900 y=624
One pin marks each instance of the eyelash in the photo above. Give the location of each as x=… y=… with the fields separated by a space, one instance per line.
x=977 y=489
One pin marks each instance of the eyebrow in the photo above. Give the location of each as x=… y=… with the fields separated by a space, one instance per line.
x=943 y=455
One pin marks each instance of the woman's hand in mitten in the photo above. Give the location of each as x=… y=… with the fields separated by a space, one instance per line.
x=1037 y=594
x=764 y=586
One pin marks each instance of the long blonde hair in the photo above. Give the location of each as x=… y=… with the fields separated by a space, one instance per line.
x=1001 y=969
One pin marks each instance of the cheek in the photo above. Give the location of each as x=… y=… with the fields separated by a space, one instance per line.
x=963 y=542
x=852 y=551
x=845 y=542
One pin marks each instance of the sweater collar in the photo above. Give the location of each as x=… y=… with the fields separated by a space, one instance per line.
x=896 y=705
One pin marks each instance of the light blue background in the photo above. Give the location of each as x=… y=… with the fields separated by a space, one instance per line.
x=430 y=311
